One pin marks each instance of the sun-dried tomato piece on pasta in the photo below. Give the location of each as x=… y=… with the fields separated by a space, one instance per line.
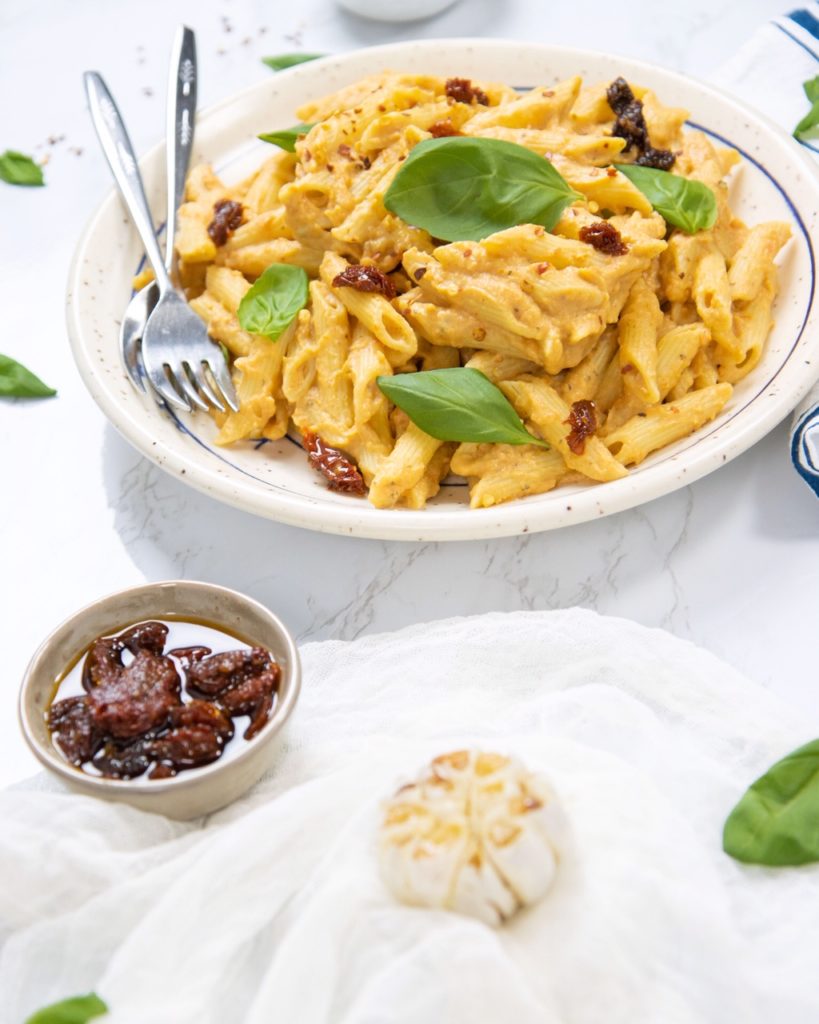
x=583 y=421
x=227 y=216
x=365 y=279
x=604 y=237
x=463 y=91
x=339 y=470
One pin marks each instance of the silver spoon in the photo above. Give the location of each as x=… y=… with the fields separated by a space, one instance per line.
x=181 y=110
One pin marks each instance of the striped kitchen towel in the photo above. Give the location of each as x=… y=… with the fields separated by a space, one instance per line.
x=768 y=73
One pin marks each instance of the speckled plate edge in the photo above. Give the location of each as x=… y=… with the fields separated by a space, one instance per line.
x=96 y=351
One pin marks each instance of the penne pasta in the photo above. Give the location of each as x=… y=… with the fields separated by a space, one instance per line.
x=612 y=334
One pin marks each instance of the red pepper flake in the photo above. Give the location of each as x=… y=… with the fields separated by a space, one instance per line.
x=604 y=237
x=365 y=279
x=419 y=273
x=541 y=268
x=583 y=422
x=227 y=216
x=340 y=471
x=628 y=368
x=611 y=172
x=442 y=129
x=349 y=154
x=463 y=91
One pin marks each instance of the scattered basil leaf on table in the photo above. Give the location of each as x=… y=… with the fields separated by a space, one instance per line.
x=806 y=129
x=274 y=300
x=777 y=820
x=19 y=169
x=76 y=1010
x=18 y=382
x=685 y=204
x=457 y=404
x=290 y=60
x=286 y=138
x=463 y=189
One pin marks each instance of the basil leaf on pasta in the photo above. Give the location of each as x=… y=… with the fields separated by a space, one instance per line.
x=272 y=303
x=685 y=204
x=461 y=188
x=18 y=382
x=19 y=169
x=286 y=138
x=808 y=127
x=76 y=1010
x=777 y=820
x=290 y=60
x=457 y=404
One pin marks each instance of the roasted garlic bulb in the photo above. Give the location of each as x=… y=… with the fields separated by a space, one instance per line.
x=476 y=833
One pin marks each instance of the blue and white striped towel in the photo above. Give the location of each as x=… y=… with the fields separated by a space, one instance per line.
x=768 y=73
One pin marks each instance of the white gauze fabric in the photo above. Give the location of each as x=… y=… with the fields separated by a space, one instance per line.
x=273 y=909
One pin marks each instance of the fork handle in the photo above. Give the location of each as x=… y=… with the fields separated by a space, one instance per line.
x=182 y=80
x=123 y=163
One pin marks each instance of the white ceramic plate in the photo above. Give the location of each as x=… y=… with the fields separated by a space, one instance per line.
x=776 y=181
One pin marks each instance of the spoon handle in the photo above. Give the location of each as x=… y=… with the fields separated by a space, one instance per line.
x=182 y=81
x=119 y=153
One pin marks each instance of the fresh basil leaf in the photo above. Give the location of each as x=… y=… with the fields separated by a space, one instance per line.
x=685 y=204
x=807 y=127
x=19 y=169
x=811 y=88
x=457 y=404
x=274 y=300
x=18 y=382
x=462 y=189
x=287 y=138
x=76 y=1010
x=290 y=60
x=777 y=820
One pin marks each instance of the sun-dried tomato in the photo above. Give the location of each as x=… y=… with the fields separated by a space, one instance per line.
x=442 y=129
x=583 y=422
x=365 y=279
x=463 y=91
x=227 y=216
x=341 y=472
x=604 y=237
x=631 y=126
x=74 y=729
x=242 y=682
x=134 y=714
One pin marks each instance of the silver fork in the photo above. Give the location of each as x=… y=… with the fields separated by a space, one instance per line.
x=182 y=363
x=181 y=110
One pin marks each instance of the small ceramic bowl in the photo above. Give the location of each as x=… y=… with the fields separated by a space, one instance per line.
x=196 y=791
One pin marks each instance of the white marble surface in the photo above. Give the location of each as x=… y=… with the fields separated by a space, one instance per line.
x=730 y=563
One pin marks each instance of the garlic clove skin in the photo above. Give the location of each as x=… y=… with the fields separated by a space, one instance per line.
x=475 y=833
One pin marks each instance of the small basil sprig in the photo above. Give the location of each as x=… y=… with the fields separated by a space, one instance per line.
x=777 y=820
x=271 y=304
x=682 y=202
x=18 y=382
x=19 y=169
x=290 y=60
x=76 y=1010
x=457 y=404
x=461 y=189
x=286 y=138
x=805 y=130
